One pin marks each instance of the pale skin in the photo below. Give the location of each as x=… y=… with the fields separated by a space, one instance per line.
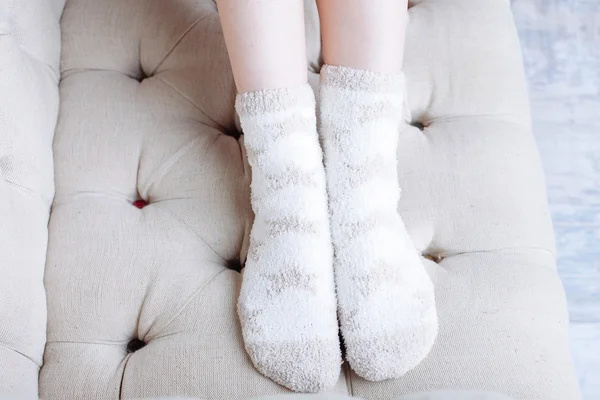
x=266 y=42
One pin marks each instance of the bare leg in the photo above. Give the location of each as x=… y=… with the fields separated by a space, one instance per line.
x=386 y=302
x=287 y=303
x=364 y=34
x=265 y=41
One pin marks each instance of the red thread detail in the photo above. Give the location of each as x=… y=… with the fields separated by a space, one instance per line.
x=140 y=204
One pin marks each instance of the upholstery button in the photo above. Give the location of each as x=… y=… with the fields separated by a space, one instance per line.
x=140 y=204
x=134 y=345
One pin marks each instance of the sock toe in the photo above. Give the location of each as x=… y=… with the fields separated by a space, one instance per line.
x=379 y=358
x=308 y=366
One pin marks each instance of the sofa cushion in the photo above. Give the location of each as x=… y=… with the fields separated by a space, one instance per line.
x=151 y=217
x=29 y=72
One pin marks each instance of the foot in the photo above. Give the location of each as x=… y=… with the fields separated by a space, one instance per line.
x=386 y=300
x=287 y=304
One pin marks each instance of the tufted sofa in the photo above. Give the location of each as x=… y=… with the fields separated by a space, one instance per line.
x=127 y=288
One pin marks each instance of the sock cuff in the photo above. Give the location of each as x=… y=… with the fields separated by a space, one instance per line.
x=361 y=80
x=274 y=100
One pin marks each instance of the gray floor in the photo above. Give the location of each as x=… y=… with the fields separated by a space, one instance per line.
x=561 y=49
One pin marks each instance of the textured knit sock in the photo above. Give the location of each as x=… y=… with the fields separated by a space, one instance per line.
x=386 y=301
x=287 y=303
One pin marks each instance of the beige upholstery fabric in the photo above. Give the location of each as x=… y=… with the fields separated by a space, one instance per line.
x=29 y=72
x=147 y=112
x=438 y=395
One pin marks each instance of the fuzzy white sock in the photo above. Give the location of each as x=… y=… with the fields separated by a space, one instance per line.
x=287 y=303
x=386 y=300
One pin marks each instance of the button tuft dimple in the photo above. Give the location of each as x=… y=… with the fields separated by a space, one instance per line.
x=135 y=345
x=234 y=265
x=418 y=125
x=140 y=204
x=234 y=133
x=141 y=76
x=436 y=258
